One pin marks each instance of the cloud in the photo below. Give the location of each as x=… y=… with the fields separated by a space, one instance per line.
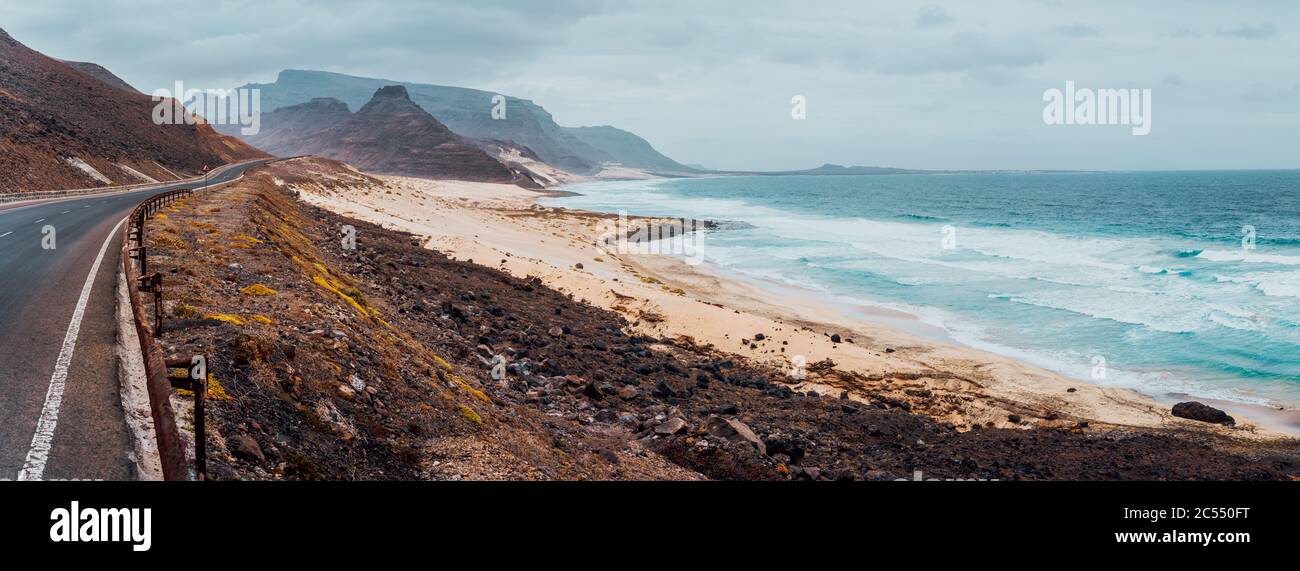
x=933 y=16
x=1078 y=31
x=965 y=52
x=931 y=84
x=446 y=40
x=1247 y=32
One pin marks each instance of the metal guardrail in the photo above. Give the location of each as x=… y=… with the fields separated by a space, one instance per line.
x=171 y=449
x=35 y=195
x=159 y=381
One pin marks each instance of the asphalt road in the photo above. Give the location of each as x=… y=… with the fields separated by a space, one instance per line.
x=83 y=434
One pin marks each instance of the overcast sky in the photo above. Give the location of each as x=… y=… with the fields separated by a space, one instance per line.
x=947 y=85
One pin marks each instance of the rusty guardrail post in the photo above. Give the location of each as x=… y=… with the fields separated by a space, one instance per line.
x=199 y=386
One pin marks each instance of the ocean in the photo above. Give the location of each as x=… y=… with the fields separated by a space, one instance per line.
x=1170 y=283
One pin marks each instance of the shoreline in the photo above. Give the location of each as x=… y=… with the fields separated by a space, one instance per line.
x=664 y=296
x=1282 y=421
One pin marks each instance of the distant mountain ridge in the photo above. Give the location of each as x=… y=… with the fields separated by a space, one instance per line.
x=468 y=112
x=390 y=134
x=287 y=130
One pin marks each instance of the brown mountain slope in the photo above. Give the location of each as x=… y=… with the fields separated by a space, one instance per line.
x=390 y=135
x=62 y=128
x=101 y=73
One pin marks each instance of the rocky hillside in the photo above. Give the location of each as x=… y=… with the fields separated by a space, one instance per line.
x=613 y=145
x=63 y=128
x=377 y=363
x=469 y=113
x=390 y=134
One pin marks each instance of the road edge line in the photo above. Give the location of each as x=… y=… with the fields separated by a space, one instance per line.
x=43 y=438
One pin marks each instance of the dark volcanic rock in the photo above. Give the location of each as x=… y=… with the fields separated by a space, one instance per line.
x=671 y=426
x=243 y=446
x=735 y=431
x=1204 y=413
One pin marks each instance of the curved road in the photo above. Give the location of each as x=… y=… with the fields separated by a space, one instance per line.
x=46 y=341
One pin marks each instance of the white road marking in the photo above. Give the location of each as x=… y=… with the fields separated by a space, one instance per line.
x=65 y=212
x=39 y=221
x=34 y=467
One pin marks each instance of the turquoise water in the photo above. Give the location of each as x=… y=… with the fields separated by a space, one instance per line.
x=1149 y=271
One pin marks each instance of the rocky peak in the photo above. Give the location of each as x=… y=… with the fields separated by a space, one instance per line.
x=393 y=92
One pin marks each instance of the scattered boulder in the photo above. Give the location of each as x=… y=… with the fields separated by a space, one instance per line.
x=244 y=446
x=1198 y=411
x=735 y=431
x=674 y=387
x=790 y=447
x=671 y=426
x=835 y=338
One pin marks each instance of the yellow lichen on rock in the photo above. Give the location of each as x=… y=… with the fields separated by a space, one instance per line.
x=480 y=395
x=469 y=413
x=228 y=318
x=442 y=363
x=257 y=289
x=215 y=390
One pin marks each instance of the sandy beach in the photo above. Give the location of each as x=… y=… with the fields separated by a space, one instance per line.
x=502 y=226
